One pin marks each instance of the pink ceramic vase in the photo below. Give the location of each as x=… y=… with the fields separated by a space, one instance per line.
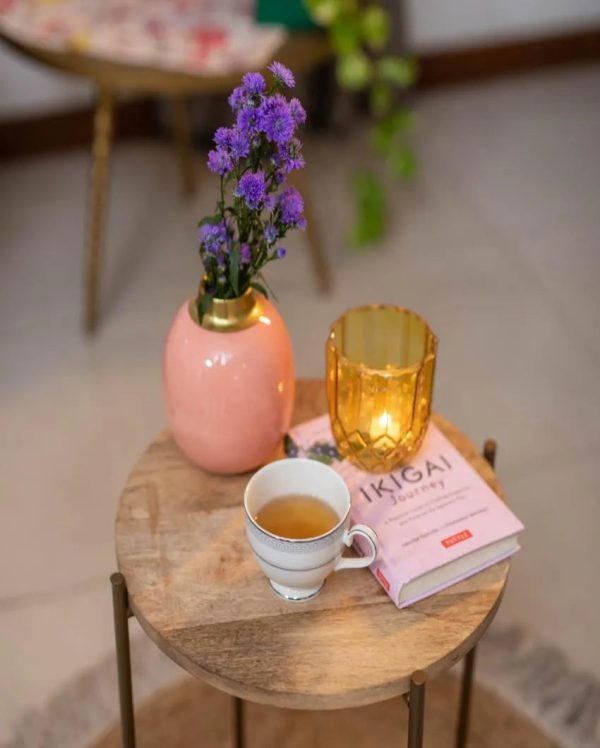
x=229 y=383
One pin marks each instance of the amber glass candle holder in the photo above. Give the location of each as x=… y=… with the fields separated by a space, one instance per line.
x=380 y=368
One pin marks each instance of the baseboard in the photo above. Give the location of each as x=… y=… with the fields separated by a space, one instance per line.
x=55 y=132
x=46 y=133
x=505 y=58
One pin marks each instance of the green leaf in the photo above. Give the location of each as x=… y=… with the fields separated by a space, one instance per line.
x=264 y=281
x=381 y=138
x=353 y=70
x=203 y=304
x=210 y=219
x=404 y=163
x=344 y=34
x=324 y=12
x=260 y=288
x=371 y=208
x=402 y=120
x=234 y=270
x=375 y=26
x=399 y=71
x=380 y=98
x=386 y=131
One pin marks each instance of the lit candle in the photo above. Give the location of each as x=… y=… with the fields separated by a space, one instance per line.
x=384 y=423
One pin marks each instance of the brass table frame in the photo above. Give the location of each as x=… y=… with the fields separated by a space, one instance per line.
x=415 y=698
x=302 y=52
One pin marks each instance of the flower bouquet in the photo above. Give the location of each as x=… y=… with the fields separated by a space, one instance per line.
x=255 y=210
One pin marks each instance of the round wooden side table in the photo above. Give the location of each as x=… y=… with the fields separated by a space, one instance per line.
x=187 y=574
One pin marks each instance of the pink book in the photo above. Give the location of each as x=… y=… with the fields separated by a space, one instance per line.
x=437 y=520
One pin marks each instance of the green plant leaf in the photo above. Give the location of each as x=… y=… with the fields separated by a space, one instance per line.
x=382 y=137
x=404 y=163
x=260 y=288
x=323 y=12
x=380 y=98
x=353 y=70
x=386 y=131
x=399 y=71
x=371 y=208
x=402 y=120
x=344 y=34
x=203 y=304
x=210 y=219
x=234 y=270
x=375 y=26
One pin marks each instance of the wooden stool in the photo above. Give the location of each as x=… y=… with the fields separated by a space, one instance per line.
x=188 y=576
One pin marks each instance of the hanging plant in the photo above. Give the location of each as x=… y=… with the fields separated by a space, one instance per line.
x=359 y=33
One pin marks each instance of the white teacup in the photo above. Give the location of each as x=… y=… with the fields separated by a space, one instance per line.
x=297 y=568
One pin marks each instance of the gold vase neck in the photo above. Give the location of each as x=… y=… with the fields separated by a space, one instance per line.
x=230 y=315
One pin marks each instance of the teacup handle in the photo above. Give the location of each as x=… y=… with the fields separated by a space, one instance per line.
x=359 y=563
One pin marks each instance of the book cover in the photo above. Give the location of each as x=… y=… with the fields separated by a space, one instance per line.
x=426 y=514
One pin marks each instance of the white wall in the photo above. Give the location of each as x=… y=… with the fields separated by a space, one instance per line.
x=443 y=24
x=26 y=87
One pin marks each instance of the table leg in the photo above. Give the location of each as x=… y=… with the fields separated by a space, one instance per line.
x=182 y=131
x=103 y=127
x=464 y=708
x=238 y=722
x=416 y=710
x=121 y=615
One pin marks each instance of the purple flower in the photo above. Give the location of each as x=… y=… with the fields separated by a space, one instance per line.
x=271 y=233
x=236 y=143
x=270 y=202
x=288 y=158
x=248 y=121
x=276 y=120
x=245 y=254
x=213 y=236
x=240 y=145
x=219 y=161
x=223 y=137
x=252 y=188
x=254 y=83
x=282 y=74
x=298 y=112
x=281 y=252
x=237 y=98
x=291 y=206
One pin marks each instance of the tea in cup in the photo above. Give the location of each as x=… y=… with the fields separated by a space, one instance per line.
x=298 y=526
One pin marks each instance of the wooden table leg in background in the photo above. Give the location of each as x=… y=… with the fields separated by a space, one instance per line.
x=182 y=131
x=103 y=130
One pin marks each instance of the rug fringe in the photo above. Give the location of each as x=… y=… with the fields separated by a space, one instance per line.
x=537 y=680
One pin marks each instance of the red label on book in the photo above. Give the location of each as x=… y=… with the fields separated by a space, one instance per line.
x=383 y=580
x=456 y=538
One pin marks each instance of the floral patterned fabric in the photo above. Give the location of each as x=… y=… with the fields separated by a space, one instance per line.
x=208 y=37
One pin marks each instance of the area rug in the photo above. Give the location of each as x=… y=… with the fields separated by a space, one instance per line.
x=527 y=696
x=191 y=714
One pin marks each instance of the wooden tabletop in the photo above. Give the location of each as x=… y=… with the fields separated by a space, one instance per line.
x=198 y=593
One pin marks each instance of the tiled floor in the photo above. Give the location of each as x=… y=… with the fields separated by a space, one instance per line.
x=496 y=245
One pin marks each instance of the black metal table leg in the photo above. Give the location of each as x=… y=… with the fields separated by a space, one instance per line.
x=416 y=710
x=121 y=615
x=238 y=722
x=464 y=708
